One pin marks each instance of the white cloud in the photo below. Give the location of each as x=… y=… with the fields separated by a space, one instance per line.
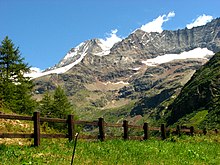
x=195 y=53
x=35 y=69
x=171 y=14
x=156 y=24
x=201 y=20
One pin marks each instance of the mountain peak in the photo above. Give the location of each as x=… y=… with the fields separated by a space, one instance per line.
x=141 y=46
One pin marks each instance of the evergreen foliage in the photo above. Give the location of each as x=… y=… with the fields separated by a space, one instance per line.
x=46 y=105
x=56 y=105
x=61 y=107
x=15 y=88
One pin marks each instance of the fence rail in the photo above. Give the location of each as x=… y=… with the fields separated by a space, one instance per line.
x=100 y=123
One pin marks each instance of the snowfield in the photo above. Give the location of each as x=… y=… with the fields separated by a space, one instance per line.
x=192 y=54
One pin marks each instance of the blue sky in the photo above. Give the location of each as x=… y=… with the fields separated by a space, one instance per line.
x=45 y=30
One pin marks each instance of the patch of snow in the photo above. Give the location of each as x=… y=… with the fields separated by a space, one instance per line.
x=106 y=44
x=102 y=53
x=162 y=36
x=147 y=41
x=143 y=36
x=135 y=69
x=195 y=53
x=58 y=70
x=120 y=82
x=71 y=54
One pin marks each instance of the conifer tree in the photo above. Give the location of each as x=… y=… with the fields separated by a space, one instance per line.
x=61 y=107
x=46 y=105
x=56 y=105
x=15 y=88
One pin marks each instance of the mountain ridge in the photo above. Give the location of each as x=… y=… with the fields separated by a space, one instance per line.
x=122 y=75
x=149 y=45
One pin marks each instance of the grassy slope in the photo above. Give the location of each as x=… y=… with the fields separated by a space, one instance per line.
x=183 y=150
x=186 y=150
x=109 y=114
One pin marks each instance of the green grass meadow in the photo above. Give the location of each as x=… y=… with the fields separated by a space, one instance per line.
x=176 y=150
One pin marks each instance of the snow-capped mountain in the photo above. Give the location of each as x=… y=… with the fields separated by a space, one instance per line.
x=97 y=47
x=139 y=49
x=144 y=64
x=142 y=46
x=145 y=44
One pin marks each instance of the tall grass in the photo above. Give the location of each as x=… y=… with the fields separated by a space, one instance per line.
x=183 y=150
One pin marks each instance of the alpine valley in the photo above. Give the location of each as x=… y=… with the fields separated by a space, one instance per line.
x=153 y=77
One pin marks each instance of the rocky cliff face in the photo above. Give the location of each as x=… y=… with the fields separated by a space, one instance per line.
x=123 y=70
x=170 y=42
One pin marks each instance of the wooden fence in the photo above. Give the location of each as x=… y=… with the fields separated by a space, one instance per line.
x=100 y=123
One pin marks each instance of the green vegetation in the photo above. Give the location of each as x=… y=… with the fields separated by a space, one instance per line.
x=198 y=118
x=15 y=89
x=200 y=93
x=57 y=106
x=185 y=150
x=46 y=105
x=110 y=115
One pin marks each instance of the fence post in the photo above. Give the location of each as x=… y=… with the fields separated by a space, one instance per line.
x=36 y=117
x=204 y=131
x=101 y=129
x=125 y=125
x=191 y=130
x=146 y=131
x=178 y=130
x=163 y=131
x=71 y=127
